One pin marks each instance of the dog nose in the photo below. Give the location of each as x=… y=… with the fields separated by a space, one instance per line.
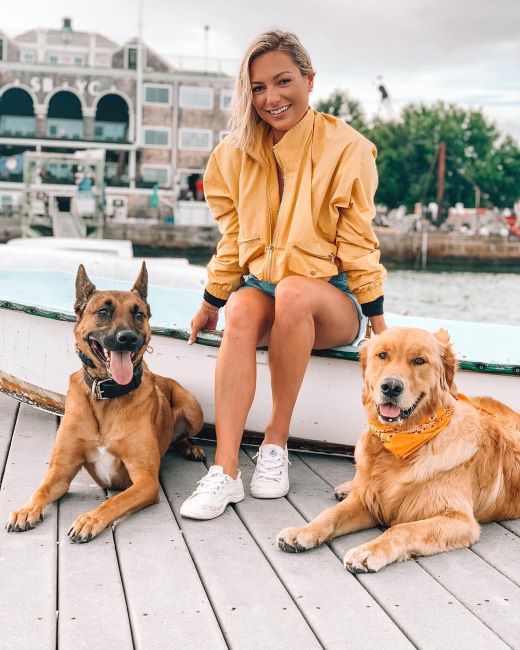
x=126 y=337
x=392 y=387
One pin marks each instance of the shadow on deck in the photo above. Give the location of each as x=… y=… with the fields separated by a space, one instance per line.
x=158 y=581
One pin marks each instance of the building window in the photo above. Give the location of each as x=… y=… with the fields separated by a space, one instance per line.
x=226 y=99
x=156 y=137
x=196 y=139
x=159 y=94
x=28 y=56
x=53 y=59
x=195 y=97
x=131 y=58
x=156 y=174
x=78 y=60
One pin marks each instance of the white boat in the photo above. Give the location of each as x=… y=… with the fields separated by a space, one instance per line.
x=37 y=355
x=103 y=258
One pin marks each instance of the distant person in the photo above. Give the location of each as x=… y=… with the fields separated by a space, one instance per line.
x=199 y=189
x=298 y=262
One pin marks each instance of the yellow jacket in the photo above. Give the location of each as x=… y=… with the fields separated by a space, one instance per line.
x=322 y=225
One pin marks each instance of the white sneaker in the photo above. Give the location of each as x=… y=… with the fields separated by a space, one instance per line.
x=271 y=477
x=214 y=491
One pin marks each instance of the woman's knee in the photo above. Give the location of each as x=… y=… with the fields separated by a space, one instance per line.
x=292 y=298
x=245 y=317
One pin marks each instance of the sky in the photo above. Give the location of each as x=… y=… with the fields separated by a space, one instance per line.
x=459 y=51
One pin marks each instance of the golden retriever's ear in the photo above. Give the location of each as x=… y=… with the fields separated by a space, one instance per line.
x=363 y=358
x=449 y=361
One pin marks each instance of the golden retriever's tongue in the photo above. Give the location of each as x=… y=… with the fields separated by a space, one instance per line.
x=120 y=367
x=389 y=410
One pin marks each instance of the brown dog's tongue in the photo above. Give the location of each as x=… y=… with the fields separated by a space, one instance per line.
x=389 y=410
x=120 y=367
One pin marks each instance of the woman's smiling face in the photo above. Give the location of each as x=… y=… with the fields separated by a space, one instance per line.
x=280 y=91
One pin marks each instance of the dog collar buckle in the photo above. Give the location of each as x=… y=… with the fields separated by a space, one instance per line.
x=97 y=388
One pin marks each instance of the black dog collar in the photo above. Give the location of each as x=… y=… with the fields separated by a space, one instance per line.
x=108 y=388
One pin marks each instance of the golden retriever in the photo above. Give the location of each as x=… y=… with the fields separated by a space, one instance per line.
x=434 y=497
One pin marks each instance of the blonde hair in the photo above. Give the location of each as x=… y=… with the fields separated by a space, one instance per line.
x=244 y=117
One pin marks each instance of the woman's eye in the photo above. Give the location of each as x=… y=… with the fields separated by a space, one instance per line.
x=383 y=355
x=419 y=361
x=257 y=89
x=284 y=82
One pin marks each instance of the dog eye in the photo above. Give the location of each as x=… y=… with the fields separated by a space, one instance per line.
x=103 y=313
x=139 y=315
x=419 y=361
x=383 y=355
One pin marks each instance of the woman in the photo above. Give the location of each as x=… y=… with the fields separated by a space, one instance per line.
x=292 y=191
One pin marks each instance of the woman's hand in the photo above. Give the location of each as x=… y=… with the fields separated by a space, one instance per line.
x=205 y=318
x=378 y=324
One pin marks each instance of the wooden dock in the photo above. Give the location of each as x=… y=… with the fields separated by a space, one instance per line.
x=158 y=581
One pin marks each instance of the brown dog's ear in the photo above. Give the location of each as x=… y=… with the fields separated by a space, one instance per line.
x=449 y=361
x=363 y=357
x=84 y=290
x=141 y=286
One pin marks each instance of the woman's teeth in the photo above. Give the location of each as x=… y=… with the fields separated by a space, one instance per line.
x=278 y=111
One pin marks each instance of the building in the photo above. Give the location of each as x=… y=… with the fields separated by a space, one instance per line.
x=63 y=91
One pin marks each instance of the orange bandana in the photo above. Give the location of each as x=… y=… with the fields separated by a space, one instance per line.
x=403 y=442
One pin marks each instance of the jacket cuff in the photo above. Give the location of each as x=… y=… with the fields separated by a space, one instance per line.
x=212 y=300
x=373 y=308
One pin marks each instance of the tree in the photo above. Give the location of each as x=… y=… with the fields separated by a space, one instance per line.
x=340 y=104
x=475 y=157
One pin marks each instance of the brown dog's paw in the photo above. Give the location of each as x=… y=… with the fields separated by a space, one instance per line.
x=189 y=451
x=24 y=519
x=363 y=559
x=85 y=528
x=297 y=540
x=342 y=491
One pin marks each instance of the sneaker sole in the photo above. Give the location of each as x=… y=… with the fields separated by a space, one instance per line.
x=268 y=495
x=212 y=515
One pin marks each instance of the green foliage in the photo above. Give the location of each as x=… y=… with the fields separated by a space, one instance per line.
x=476 y=154
x=340 y=104
x=475 y=157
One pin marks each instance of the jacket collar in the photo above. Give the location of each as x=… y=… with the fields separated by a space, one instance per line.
x=291 y=148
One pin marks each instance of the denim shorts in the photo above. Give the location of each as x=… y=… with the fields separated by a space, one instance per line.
x=339 y=281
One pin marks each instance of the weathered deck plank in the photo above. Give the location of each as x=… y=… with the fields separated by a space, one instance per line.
x=252 y=605
x=332 y=600
x=167 y=603
x=8 y=412
x=28 y=564
x=406 y=591
x=501 y=548
x=91 y=603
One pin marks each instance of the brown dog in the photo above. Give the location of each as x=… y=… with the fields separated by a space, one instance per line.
x=119 y=417
x=431 y=465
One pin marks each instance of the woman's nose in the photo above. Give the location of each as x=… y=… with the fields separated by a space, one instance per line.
x=272 y=96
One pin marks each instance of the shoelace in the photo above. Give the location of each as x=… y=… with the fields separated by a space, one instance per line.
x=269 y=464
x=210 y=483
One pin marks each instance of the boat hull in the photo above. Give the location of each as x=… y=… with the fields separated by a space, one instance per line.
x=37 y=357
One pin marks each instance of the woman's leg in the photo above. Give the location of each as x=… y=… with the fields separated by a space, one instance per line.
x=249 y=318
x=309 y=314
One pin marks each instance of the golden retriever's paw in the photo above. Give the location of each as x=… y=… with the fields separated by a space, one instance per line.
x=342 y=491
x=363 y=559
x=24 y=519
x=85 y=528
x=297 y=540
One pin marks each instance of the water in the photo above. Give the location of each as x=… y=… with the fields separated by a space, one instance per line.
x=465 y=296
x=478 y=297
